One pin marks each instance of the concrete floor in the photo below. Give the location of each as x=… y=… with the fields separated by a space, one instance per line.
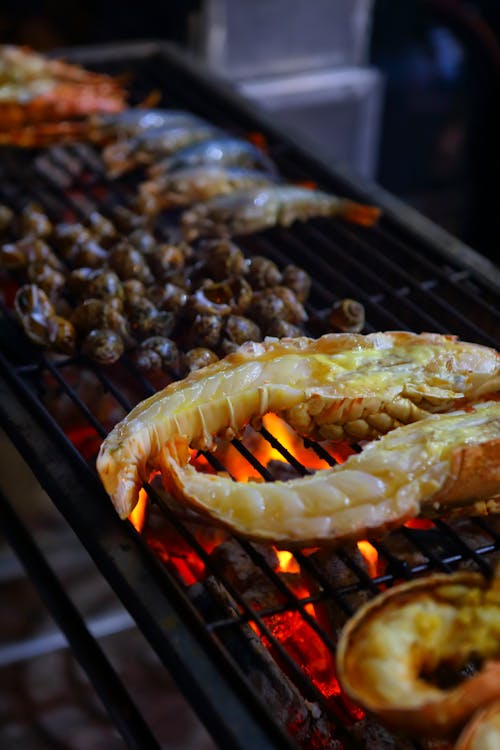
x=46 y=699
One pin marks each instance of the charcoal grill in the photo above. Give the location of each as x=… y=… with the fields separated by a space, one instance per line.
x=407 y=272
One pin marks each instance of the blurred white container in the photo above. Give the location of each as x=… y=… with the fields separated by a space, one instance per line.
x=336 y=111
x=249 y=38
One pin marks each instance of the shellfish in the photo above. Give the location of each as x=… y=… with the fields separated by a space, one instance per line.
x=482 y=732
x=337 y=386
x=391 y=651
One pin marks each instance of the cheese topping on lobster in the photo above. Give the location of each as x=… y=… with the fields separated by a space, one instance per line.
x=394 y=652
x=335 y=387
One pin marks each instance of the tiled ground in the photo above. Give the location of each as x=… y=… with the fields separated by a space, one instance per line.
x=46 y=700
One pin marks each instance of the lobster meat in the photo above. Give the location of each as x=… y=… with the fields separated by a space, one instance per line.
x=336 y=387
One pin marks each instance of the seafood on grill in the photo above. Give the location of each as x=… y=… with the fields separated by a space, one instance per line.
x=142 y=149
x=336 y=387
x=248 y=211
x=41 y=99
x=39 y=320
x=393 y=650
x=193 y=184
x=226 y=151
x=134 y=121
x=482 y=731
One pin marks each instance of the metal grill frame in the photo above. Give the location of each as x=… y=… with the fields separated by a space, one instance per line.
x=232 y=711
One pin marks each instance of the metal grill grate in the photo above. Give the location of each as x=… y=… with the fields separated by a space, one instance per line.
x=198 y=616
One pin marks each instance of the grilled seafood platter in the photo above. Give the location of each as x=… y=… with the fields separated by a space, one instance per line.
x=394 y=653
x=340 y=386
x=482 y=732
x=40 y=98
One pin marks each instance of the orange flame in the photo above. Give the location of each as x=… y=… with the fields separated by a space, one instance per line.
x=287 y=562
x=370 y=555
x=138 y=516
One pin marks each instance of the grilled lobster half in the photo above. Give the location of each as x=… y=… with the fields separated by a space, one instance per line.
x=444 y=453
x=393 y=653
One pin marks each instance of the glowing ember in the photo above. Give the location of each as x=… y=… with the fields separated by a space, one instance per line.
x=86 y=440
x=287 y=562
x=370 y=555
x=419 y=523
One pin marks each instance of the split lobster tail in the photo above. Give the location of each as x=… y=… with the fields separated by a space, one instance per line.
x=432 y=457
x=392 y=652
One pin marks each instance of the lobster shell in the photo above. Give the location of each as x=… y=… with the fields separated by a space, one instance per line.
x=407 y=700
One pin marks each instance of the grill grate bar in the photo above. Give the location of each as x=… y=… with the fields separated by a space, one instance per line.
x=108 y=685
x=311 y=692
x=70 y=392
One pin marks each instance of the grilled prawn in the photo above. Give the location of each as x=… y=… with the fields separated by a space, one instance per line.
x=335 y=387
x=248 y=211
x=226 y=151
x=192 y=184
x=40 y=97
x=134 y=121
x=143 y=148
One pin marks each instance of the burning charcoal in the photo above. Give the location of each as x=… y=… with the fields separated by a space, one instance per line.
x=281 y=470
x=373 y=736
x=306 y=721
x=263 y=272
x=338 y=574
x=231 y=558
x=398 y=544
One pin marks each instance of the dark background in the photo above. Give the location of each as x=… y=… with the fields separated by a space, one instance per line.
x=439 y=148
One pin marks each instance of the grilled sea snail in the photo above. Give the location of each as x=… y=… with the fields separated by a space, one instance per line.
x=393 y=653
